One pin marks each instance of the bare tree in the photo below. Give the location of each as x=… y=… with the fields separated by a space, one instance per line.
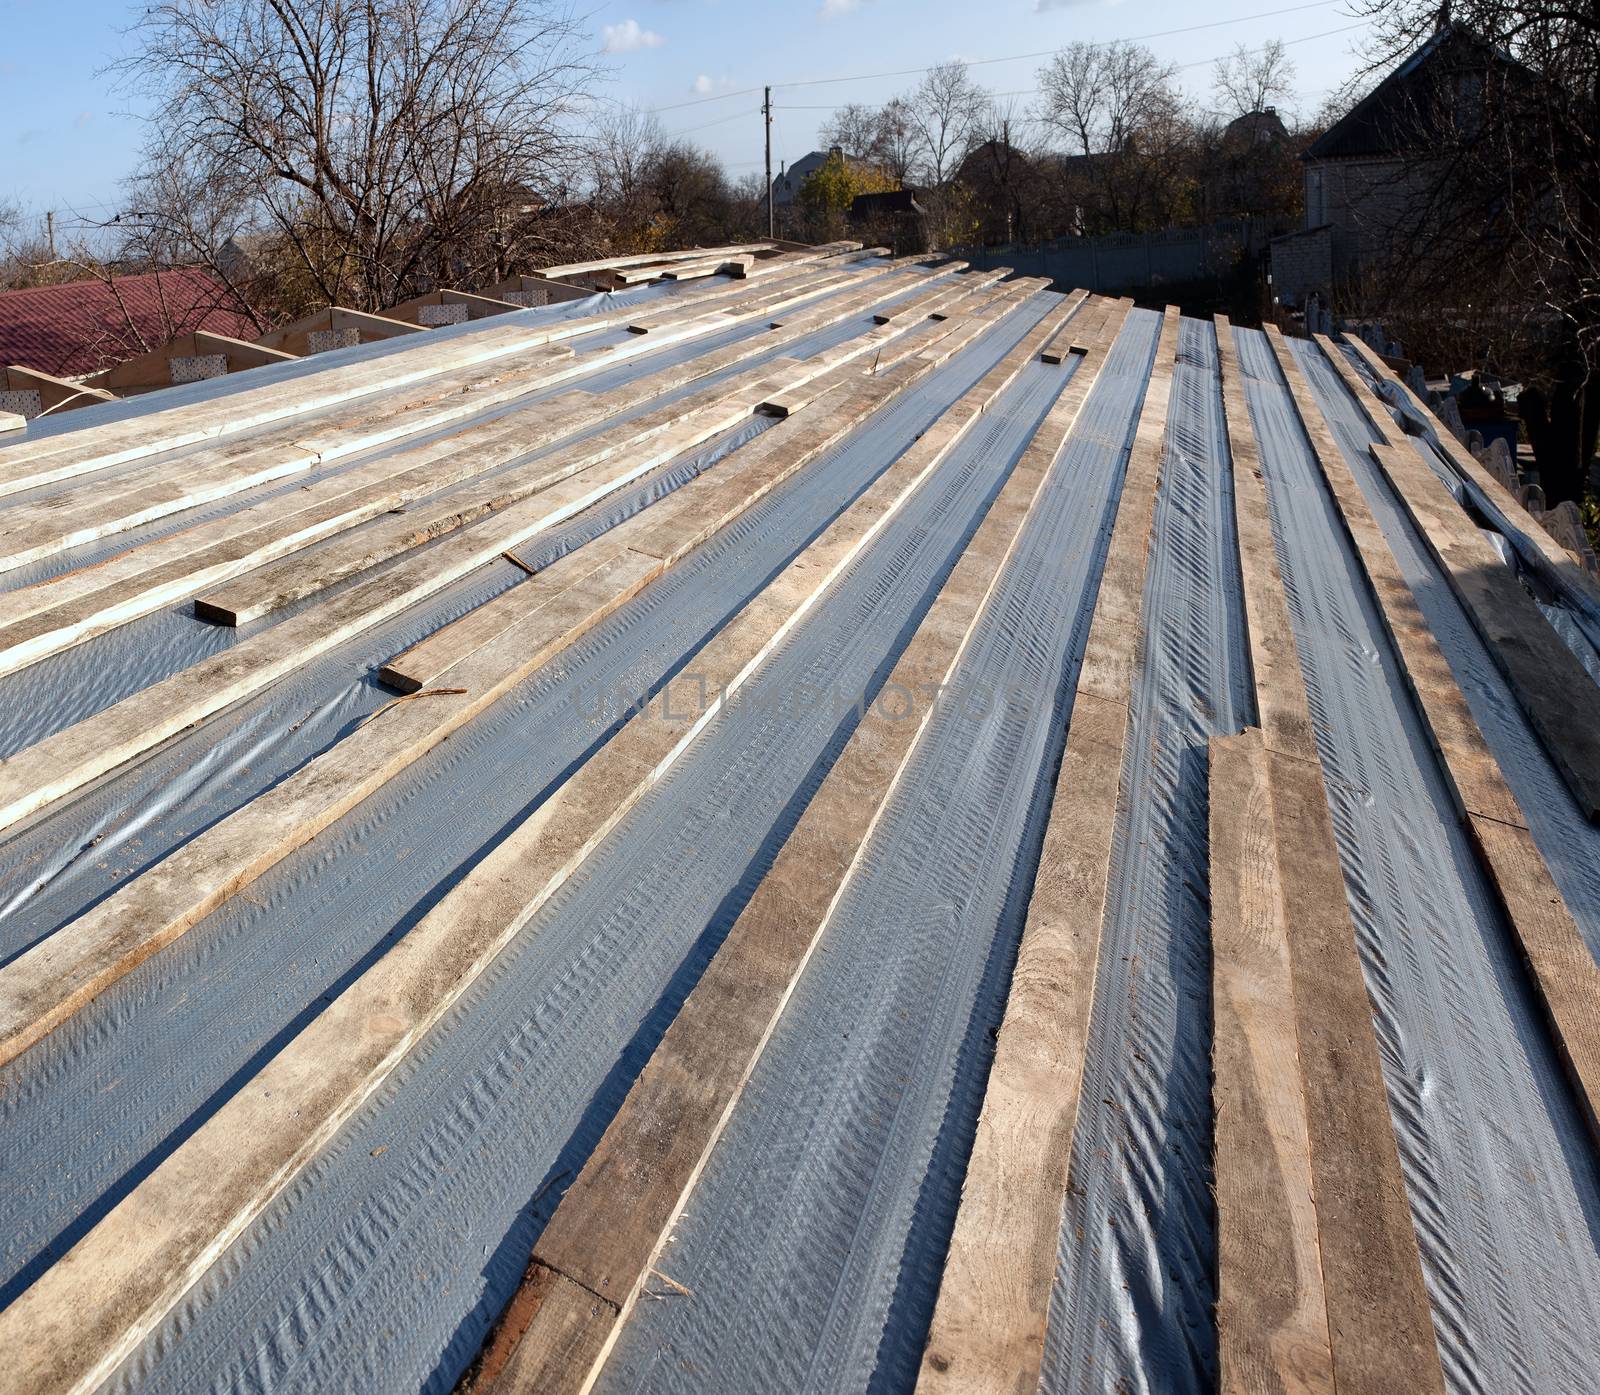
x=389 y=145
x=1494 y=215
x=1099 y=97
x=622 y=144
x=896 y=140
x=945 y=112
x=1252 y=79
x=1118 y=109
x=856 y=129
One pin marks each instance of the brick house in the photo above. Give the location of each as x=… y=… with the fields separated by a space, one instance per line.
x=1369 y=176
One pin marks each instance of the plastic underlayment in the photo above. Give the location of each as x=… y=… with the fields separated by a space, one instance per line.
x=92 y=676
x=815 y=1238
x=816 y=1234
x=1133 y=1302
x=179 y=1034
x=1497 y=1164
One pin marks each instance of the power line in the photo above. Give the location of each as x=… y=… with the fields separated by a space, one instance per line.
x=707 y=125
x=1013 y=58
x=1050 y=52
x=701 y=101
x=1034 y=91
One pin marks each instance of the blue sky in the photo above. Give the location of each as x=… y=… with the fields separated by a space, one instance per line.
x=74 y=136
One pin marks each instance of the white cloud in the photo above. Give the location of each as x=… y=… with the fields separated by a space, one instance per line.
x=832 y=9
x=629 y=37
x=703 y=86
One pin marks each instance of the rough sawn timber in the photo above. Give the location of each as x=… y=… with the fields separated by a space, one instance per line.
x=72 y=1327
x=613 y=1221
x=989 y=1323
x=1272 y=1318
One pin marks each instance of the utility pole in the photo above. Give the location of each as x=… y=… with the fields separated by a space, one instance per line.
x=50 y=231
x=766 y=111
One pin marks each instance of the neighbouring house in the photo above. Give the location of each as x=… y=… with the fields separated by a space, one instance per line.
x=893 y=218
x=77 y=328
x=1367 y=178
x=786 y=183
x=1006 y=187
x=1250 y=171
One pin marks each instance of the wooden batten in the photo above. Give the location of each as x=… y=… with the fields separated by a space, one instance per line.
x=1380 y=1322
x=156 y=368
x=467 y=305
x=54 y=394
x=336 y=322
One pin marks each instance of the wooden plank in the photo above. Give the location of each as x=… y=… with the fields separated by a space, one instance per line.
x=608 y=1230
x=27 y=633
x=63 y=762
x=941 y=306
x=690 y=254
x=112 y=443
x=153 y=369
x=241 y=353
x=479 y=307
x=972 y=299
x=1564 y=973
x=1282 y=710
x=774 y=296
x=687 y=271
x=89 y=1310
x=95 y=511
x=1554 y=690
x=988 y=1326
x=1061 y=347
x=100 y=509
x=690 y=421
x=567 y=1312
x=551 y=292
x=294 y=339
x=54 y=393
x=1562 y=965
x=42 y=987
x=647 y=442
x=1272 y=1319
x=47 y=460
x=43 y=619
x=960 y=287
x=1564 y=570
x=420 y=666
x=1380 y=1322
x=799 y=284
x=12 y=421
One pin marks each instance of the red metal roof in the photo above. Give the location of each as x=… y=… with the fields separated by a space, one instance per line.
x=80 y=327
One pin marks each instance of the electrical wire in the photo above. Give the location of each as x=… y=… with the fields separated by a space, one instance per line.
x=707 y=125
x=1034 y=91
x=1050 y=52
x=1018 y=57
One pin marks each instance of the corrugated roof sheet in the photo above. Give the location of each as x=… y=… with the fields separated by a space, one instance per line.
x=80 y=327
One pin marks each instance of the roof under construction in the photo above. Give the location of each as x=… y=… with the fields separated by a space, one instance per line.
x=862 y=827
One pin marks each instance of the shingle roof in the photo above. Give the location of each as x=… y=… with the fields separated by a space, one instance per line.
x=80 y=327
